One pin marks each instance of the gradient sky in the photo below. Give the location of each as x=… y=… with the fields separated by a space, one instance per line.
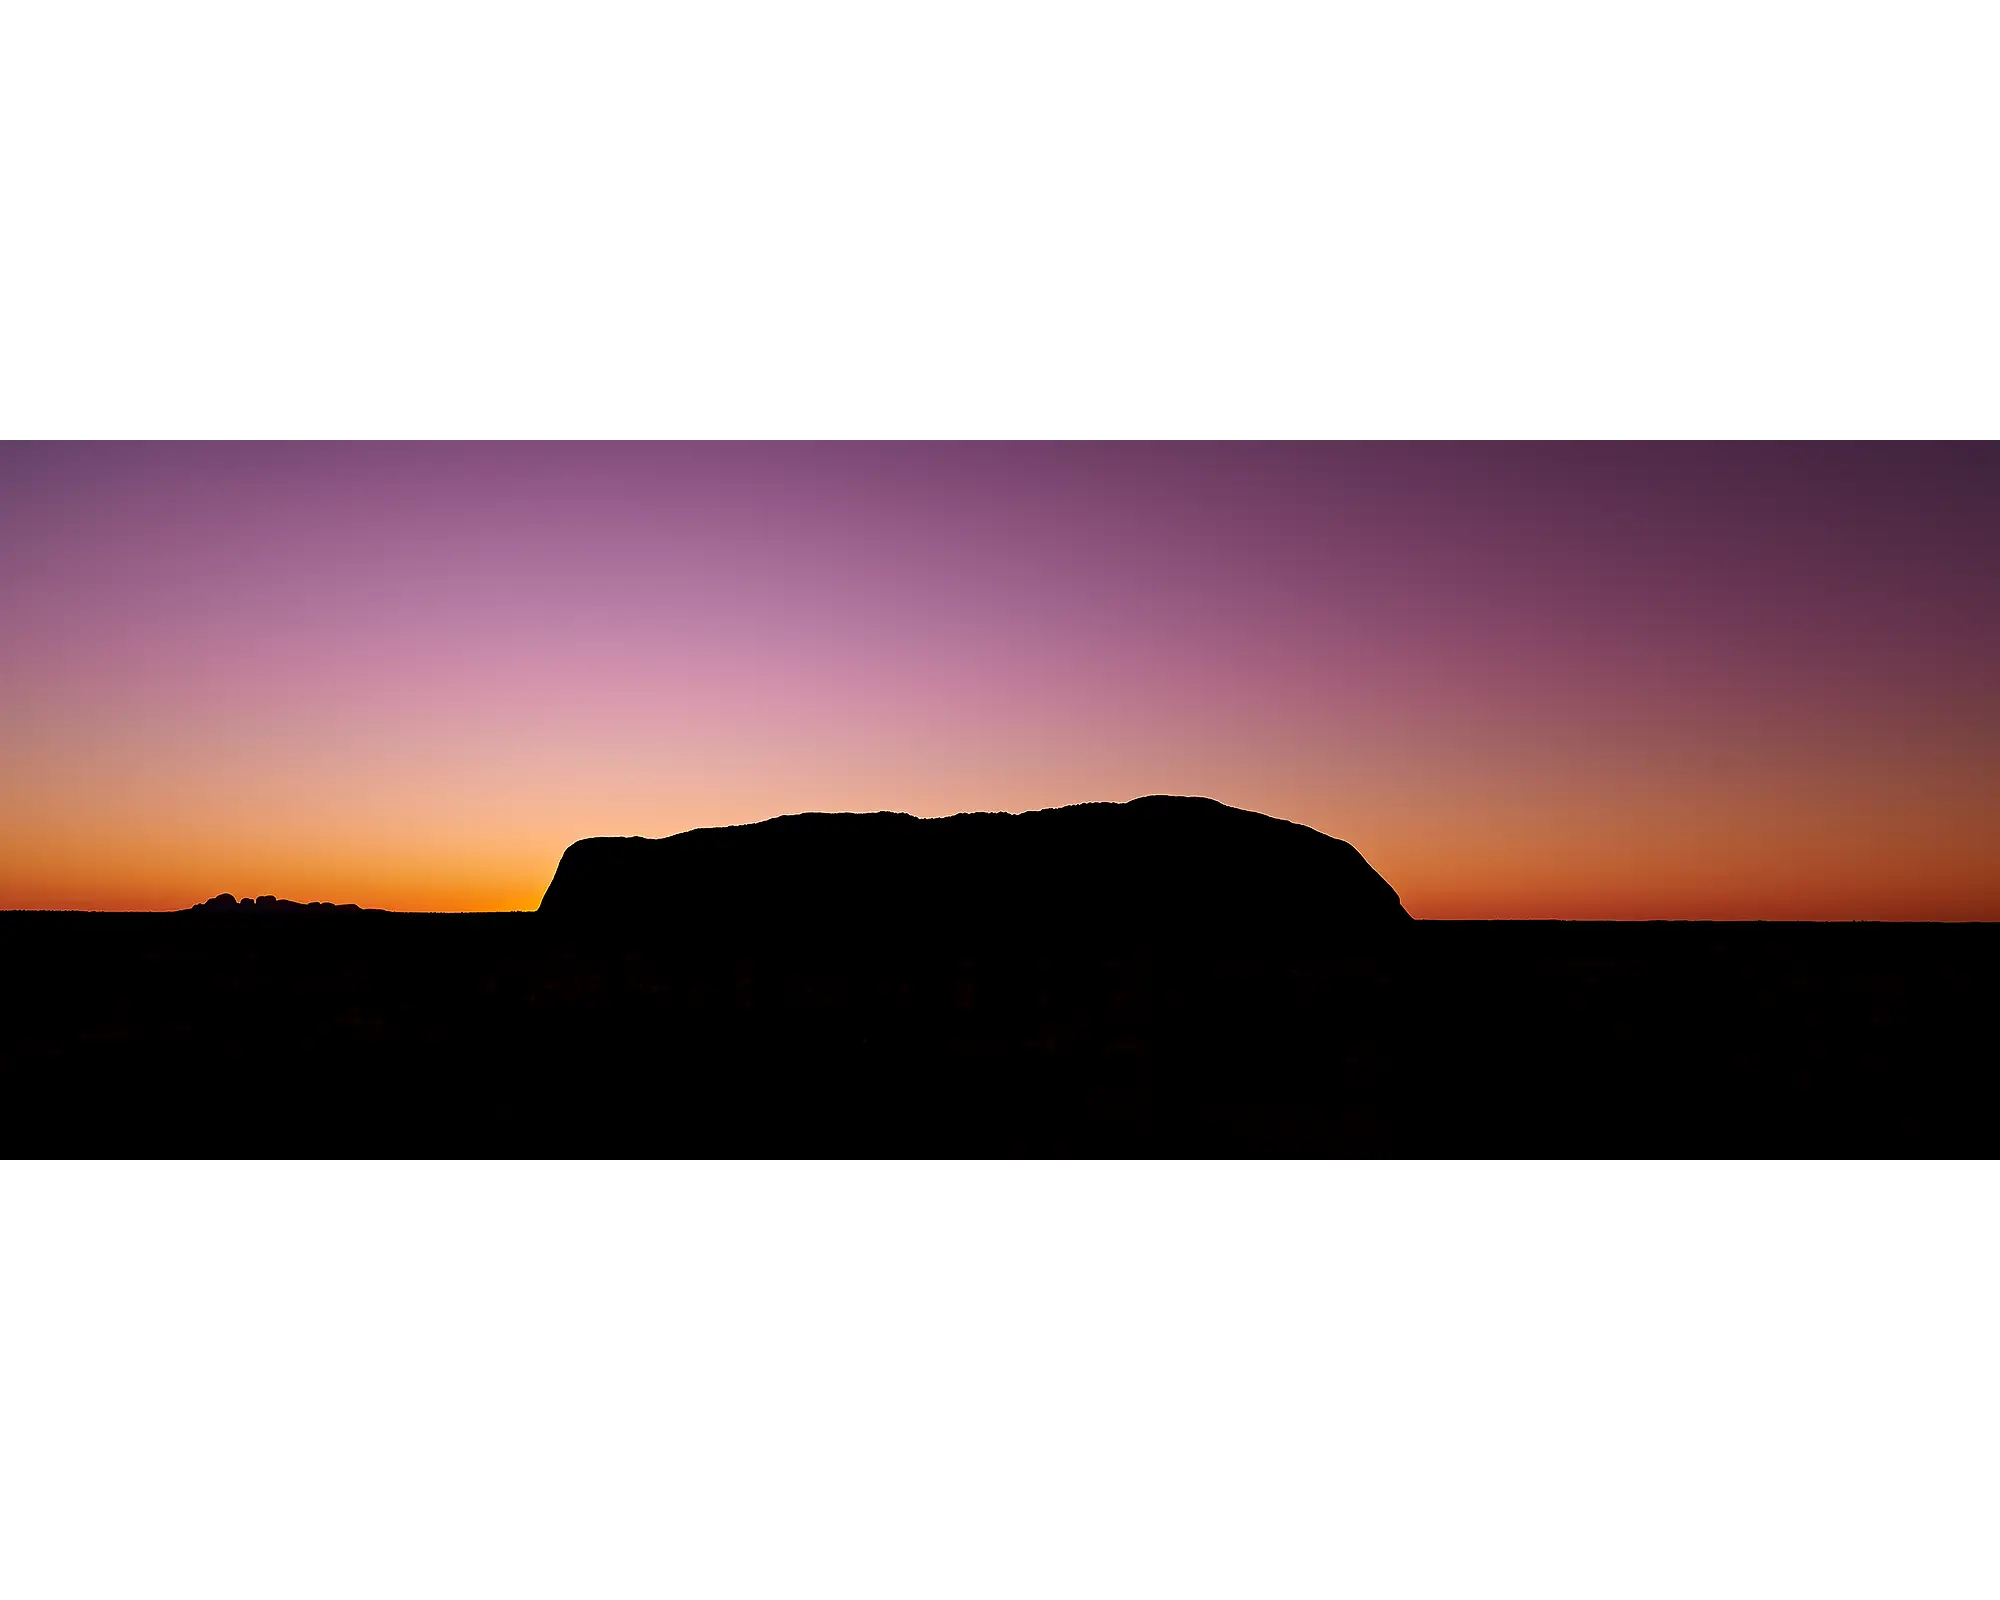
x=1524 y=680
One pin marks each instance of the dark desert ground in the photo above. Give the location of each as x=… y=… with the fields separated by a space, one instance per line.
x=1170 y=976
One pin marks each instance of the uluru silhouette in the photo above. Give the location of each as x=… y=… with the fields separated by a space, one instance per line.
x=1167 y=866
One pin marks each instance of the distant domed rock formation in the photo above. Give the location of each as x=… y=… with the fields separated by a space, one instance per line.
x=1169 y=867
x=265 y=902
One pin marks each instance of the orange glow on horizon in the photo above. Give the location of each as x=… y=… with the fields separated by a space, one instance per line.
x=1524 y=681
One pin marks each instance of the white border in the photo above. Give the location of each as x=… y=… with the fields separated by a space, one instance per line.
x=1079 y=219
x=1071 y=1380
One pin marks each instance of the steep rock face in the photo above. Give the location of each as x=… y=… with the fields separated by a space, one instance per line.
x=1165 y=866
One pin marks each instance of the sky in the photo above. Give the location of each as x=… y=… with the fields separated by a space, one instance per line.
x=1524 y=680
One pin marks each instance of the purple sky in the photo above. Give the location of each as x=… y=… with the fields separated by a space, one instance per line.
x=1525 y=680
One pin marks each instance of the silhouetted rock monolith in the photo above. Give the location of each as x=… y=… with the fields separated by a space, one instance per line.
x=1166 y=867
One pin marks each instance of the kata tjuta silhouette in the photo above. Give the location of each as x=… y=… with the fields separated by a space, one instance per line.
x=268 y=902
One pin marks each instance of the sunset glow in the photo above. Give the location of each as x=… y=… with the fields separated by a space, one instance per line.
x=1524 y=680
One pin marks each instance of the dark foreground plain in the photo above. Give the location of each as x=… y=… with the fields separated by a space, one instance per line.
x=389 y=1033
